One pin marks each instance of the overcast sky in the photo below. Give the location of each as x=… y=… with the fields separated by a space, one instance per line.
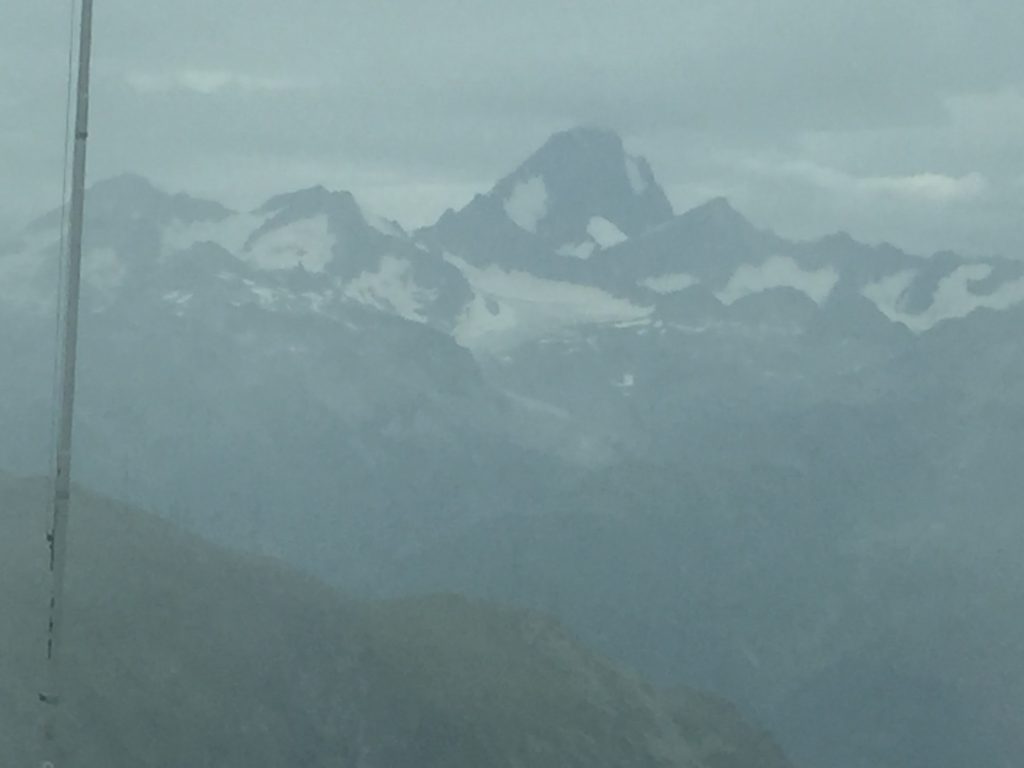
x=893 y=120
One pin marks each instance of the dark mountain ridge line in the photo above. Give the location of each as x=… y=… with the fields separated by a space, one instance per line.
x=712 y=241
x=210 y=658
x=572 y=146
x=613 y=269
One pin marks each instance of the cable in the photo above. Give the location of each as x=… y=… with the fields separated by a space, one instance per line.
x=56 y=530
x=62 y=247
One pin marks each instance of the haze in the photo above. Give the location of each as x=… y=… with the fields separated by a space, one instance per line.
x=879 y=118
x=675 y=423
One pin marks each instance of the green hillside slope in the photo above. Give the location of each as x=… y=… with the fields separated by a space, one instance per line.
x=183 y=654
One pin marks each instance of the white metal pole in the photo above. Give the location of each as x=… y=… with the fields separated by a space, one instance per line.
x=57 y=533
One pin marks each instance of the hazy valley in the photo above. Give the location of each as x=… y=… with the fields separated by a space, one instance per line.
x=781 y=472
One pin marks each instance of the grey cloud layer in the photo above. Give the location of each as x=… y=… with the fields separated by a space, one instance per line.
x=399 y=97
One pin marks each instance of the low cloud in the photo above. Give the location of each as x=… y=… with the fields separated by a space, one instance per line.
x=208 y=82
x=924 y=187
x=931 y=187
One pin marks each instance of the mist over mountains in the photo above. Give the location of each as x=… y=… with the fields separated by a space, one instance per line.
x=184 y=654
x=782 y=471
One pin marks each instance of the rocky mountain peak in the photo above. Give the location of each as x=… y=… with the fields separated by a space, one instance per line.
x=134 y=196
x=577 y=177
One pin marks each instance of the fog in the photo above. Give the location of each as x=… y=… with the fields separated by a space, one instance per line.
x=879 y=119
x=591 y=384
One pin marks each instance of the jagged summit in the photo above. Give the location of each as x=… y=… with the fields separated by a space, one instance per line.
x=340 y=206
x=130 y=192
x=309 y=201
x=127 y=184
x=576 y=176
x=579 y=193
x=133 y=196
x=717 y=213
x=583 y=151
x=708 y=243
x=312 y=226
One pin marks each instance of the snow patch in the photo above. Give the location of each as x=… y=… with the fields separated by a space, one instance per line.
x=528 y=204
x=230 y=233
x=669 y=283
x=308 y=242
x=779 y=272
x=601 y=233
x=384 y=226
x=887 y=294
x=486 y=324
x=177 y=297
x=605 y=233
x=582 y=250
x=267 y=297
x=179 y=300
x=512 y=307
x=392 y=287
x=953 y=297
x=637 y=182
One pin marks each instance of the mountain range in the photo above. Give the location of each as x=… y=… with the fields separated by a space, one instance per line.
x=781 y=471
